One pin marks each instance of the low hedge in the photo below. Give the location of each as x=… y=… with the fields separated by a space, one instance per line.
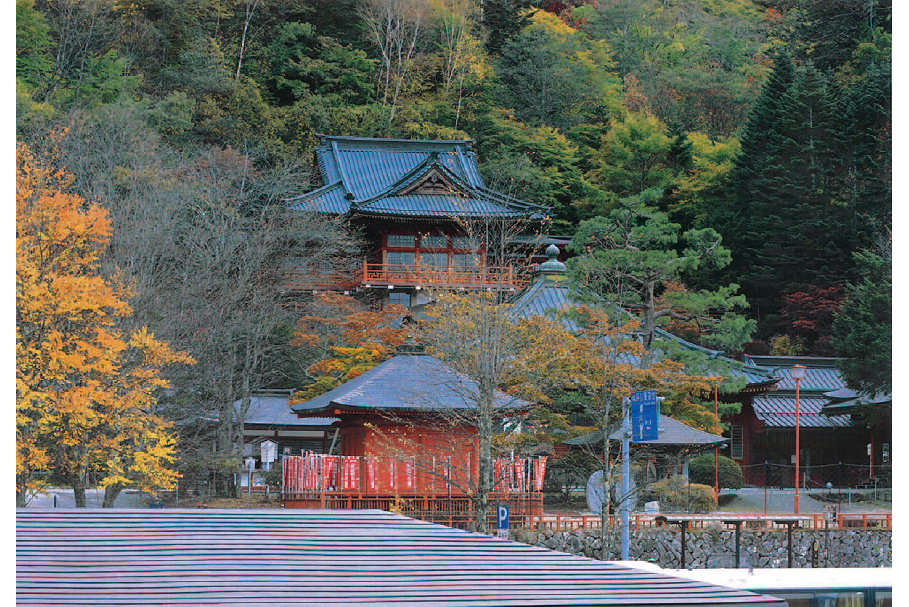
x=701 y=470
x=675 y=496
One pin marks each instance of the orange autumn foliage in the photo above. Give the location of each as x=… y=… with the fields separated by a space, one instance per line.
x=347 y=339
x=85 y=391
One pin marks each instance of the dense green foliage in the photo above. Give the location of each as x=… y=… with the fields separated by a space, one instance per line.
x=190 y=121
x=862 y=330
x=701 y=470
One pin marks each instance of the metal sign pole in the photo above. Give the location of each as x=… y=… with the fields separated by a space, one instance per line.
x=626 y=474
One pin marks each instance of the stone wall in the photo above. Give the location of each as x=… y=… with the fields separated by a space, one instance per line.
x=716 y=548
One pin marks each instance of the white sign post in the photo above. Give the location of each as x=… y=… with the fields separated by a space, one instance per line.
x=269 y=453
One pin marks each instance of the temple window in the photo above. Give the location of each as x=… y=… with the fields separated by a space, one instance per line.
x=405 y=241
x=434 y=242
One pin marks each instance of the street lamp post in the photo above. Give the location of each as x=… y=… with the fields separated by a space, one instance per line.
x=798 y=372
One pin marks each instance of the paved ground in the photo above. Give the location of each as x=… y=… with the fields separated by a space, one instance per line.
x=782 y=501
x=63 y=498
x=752 y=501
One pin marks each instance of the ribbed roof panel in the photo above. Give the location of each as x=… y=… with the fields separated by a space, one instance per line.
x=370 y=166
x=779 y=411
x=329 y=199
x=823 y=379
x=316 y=557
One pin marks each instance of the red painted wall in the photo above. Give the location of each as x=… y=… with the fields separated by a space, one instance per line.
x=423 y=454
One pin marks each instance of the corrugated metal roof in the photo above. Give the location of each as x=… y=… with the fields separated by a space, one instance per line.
x=815 y=380
x=405 y=383
x=542 y=298
x=821 y=373
x=328 y=199
x=315 y=557
x=370 y=166
x=778 y=411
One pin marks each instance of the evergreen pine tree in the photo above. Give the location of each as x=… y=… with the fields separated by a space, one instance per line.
x=796 y=216
x=865 y=181
x=740 y=215
x=503 y=19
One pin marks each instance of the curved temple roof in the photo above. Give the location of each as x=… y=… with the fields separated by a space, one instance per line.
x=405 y=384
x=406 y=178
x=554 y=294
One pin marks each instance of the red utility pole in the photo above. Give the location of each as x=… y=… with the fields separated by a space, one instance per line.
x=797 y=372
x=716 y=451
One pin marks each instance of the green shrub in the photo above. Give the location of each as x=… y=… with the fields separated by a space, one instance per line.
x=700 y=470
x=674 y=496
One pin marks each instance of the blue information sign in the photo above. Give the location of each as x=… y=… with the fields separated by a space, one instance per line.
x=644 y=415
x=502 y=520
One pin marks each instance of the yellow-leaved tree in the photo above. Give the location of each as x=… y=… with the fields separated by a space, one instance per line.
x=85 y=390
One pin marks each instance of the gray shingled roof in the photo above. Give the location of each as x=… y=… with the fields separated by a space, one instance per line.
x=405 y=383
x=273 y=409
x=315 y=557
x=377 y=177
x=672 y=433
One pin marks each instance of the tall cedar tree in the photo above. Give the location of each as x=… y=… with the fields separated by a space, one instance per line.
x=504 y=19
x=863 y=328
x=784 y=187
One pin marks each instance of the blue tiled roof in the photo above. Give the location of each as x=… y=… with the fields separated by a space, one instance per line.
x=370 y=166
x=544 y=297
x=821 y=374
x=374 y=176
x=778 y=411
x=405 y=383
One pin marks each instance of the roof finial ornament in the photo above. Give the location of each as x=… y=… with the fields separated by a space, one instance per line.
x=410 y=346
x=552 y=265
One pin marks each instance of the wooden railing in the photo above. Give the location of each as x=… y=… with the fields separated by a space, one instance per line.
x=409 y=275
x=441 y=276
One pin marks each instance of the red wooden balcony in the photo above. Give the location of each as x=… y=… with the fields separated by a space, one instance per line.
x=410 y=275
x=447 y=277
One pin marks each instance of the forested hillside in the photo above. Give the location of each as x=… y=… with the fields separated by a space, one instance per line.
x=190 y=121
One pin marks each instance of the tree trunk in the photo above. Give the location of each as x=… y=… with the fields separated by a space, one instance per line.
x=484 y=464
x=78 y=483
x=110 y=495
